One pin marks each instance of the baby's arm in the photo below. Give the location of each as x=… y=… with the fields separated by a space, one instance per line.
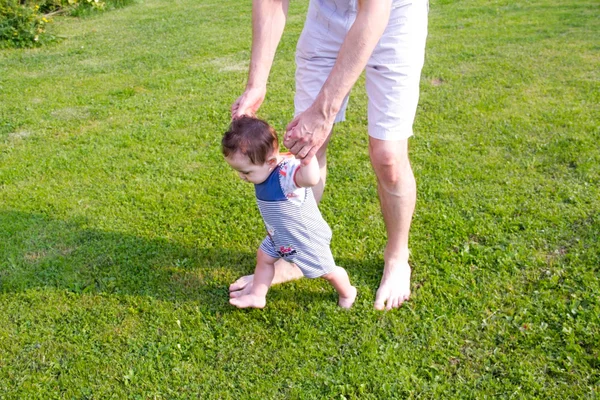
x=308 y=175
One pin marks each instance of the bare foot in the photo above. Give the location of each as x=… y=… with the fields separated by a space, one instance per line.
x=346 y=302
x=395 y=286
x=249 y=301
x=284 y=272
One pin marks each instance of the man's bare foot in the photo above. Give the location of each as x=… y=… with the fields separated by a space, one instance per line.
x=241 y=287
x=395 y=286
x=284 y=272
x=346 y=302
x=249 y=301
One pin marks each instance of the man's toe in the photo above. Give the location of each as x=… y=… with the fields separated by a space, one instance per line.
x=240 y=283
x=380 y=298
x=379 y=305
x=389 y=304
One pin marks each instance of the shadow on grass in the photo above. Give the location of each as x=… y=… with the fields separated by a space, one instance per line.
x=38 y=252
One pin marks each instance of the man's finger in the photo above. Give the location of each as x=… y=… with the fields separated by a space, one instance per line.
x=293 y=135
x=237 y=110
x=290 y=127
x=289 y=143
x=303 y=138
x=296 y=148
x=309 y=156
x=304 y=152
x=287 y=138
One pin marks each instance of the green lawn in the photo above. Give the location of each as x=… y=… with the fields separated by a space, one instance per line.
x=121 y=226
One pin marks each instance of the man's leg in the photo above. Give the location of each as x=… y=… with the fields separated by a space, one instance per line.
x=285 y=271
x=397 y=195
x=392 y=82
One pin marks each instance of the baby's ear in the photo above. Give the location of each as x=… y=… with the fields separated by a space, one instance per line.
x=272 y=161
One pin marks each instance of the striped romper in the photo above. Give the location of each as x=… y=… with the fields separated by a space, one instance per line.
x=296 y=231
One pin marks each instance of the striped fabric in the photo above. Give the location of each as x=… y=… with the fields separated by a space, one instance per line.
x=296 y=231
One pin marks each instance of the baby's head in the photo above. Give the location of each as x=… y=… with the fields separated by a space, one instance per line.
x=250 y=146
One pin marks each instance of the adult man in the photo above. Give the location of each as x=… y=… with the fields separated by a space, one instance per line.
x=340 y=39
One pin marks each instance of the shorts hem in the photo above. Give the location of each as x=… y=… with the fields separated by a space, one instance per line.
x=386 y=134
x=340 y=117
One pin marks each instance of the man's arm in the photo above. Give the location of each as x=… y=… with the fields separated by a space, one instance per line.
x=268 y=21
x=307 y=132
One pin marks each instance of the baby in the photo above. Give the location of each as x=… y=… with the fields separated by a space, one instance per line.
x=296 y=231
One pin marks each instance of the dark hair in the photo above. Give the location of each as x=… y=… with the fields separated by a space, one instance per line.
x=252 y=137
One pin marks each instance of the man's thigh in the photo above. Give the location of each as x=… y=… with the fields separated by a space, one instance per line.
x=394 y=70
x=316 y=53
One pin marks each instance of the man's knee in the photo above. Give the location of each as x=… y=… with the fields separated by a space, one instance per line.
x=390 y=161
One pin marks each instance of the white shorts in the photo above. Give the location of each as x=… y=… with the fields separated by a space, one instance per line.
x=392 y=72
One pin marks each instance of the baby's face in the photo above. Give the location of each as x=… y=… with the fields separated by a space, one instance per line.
x=247 y=171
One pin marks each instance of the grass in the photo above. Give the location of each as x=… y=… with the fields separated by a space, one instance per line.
x=121 y=226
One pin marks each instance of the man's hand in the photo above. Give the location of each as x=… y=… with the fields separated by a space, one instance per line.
x=307 y=133
x=249 y=102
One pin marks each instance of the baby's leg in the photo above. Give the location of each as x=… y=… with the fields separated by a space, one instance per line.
x=263 y=276
x=340 y=281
